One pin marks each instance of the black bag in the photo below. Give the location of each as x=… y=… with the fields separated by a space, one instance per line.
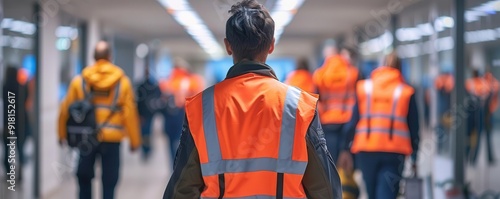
x=81 y=127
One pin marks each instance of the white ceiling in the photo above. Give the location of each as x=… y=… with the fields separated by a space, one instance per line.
x=145 y=20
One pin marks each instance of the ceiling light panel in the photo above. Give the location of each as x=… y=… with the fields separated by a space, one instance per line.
x=283 y=13
x=194 y=25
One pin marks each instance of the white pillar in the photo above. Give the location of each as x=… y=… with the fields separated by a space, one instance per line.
x=49 y=106
x=93 y=36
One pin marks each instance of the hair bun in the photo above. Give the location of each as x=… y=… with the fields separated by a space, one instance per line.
x=246 y=6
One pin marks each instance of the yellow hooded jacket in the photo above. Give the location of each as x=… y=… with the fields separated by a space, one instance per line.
x=102 y=77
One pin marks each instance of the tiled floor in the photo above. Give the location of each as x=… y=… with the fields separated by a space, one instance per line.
x=138 y=179
x=148 y=180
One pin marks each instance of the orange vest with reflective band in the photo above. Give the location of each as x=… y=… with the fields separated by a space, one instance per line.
x=383 y=103
x=445 y=82
x=181 y=85
x=250 y=135
x=336 y=82
x=494 y=90
x=301 y=79
x=478 y=87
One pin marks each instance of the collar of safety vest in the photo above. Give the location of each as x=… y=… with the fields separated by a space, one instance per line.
x=387 y=75
x=245 y=67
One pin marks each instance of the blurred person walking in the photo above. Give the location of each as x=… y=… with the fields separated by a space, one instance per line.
x=14 y=118
x=251 y=136
x=107 y=86
x=336 y=82
x=387 y=129
x=479 y=92
x=175 y=89
x=444 y=84
x=491 y=109
x=148 y=103
x=301 y=77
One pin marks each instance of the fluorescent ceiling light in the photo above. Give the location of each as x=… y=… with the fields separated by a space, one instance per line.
x=67 y=32
x=194 y=25
x=18 y=26
x=283 y=13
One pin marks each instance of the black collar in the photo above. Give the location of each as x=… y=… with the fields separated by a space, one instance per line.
x=245 y=67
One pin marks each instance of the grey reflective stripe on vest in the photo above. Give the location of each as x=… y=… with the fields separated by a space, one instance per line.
x=209 y=125
x=288 y=123
x=368 y=90
x=384 y=116
x=251 y=197
x=383 y=130
x=251 y=165
x=284 y=163
x=395 y=97
x=109 y=126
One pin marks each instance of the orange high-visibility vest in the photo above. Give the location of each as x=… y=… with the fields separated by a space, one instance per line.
x=478 y=87
x=301 y=79
x=180 y=84
x=250 y=132
x=383 y=111
x=336 y=82
x=494 y=90
x=445 y=82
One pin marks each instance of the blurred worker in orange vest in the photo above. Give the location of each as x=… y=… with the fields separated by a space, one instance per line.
x=479 y=92
x=387 y=129
x=492 y=107
x=175 y=89
x=251 y=136
x=444 y=84
x=336 y=82
x=301 y=77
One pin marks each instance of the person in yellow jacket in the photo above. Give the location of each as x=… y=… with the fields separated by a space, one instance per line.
x=102 y=80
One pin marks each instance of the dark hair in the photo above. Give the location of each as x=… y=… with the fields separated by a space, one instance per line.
x=475 y=73
x=250 y=29
x=392 y=60
x=351 y=51
x=302 y=64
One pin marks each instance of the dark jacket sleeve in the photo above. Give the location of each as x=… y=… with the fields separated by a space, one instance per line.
x=350 y=129
x=414 y=126
x=187 y=180
x=321 y=179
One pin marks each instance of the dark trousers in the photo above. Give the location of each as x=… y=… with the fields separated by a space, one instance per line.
x=174 y=119
x=334 y=138
x=381 y=173
x=146 y=135
x=489 y=120
x=475 y=125
x=110 y=160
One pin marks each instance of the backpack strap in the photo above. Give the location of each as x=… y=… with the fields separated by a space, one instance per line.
x=114 y=105
x=86 y=94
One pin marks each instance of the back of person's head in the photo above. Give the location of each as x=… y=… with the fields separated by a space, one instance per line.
x=302 y=64
x=392 y=60
x=349 y=53
x=475 y=73
x=102 y=51
x=180 y=63
x=330 y=48
x=249 y=31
